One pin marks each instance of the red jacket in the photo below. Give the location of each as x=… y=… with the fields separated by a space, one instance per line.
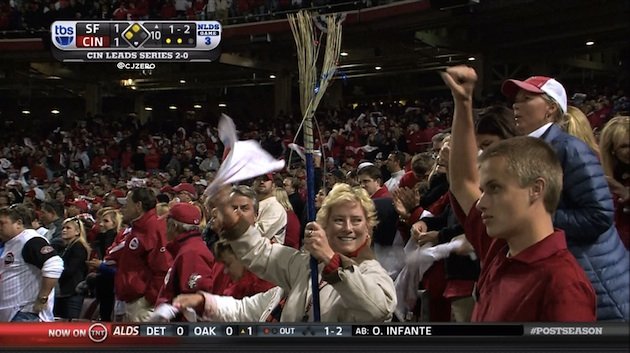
x=415 y=142
x=152 y=160
x=143 y=262
x=247 y=286
x=383 y=191
x=221 y=280
x=292 y=237
x=192 y=267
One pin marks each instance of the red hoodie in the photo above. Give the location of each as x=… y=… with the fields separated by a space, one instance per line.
x=192 y=267
x=143 y=262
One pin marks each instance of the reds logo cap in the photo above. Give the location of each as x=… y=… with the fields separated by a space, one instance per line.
x=185 y=213
x=186 y=187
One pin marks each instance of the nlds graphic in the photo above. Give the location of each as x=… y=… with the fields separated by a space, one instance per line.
x=146 y=42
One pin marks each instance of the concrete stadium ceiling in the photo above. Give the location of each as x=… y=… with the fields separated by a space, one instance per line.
x=500 y=34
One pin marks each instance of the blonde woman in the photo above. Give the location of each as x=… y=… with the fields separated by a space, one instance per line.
x=292 y=237
x=575 y=123
x=68 y=303
x=615 y=146
x=109 y=221
x=353 y=286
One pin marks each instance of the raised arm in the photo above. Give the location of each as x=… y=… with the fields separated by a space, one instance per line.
x=463 y=174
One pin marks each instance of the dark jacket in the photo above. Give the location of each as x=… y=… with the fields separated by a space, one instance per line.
x=103 y=241
x=586 y=213
x=55 y=239
x=438 y=186
x=296 y=202
x=74 y=269
x=385 y=230
x=456 y=266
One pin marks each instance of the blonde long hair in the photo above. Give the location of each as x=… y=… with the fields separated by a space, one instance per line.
x=576 y=123
x=115 y=215
x=82 y=238
x=283 y=198
x=617 y=129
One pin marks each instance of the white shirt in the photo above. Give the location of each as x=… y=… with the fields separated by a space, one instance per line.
x=393 y=182
x=272 y=219
x=540 y=131
x=20 y=281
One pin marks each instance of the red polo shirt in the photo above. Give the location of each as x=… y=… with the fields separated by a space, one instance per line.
x=543 y=283
x=381 y=192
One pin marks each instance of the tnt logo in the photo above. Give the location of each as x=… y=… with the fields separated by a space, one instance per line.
x=97 y=332
x=64 y=35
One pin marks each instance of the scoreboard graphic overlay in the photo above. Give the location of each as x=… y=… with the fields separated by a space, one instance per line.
x=135 y=41
x=77 y=334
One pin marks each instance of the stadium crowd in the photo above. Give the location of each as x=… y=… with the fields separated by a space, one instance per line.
x=117 y=213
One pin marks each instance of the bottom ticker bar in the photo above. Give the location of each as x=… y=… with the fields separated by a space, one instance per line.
x=90 y=334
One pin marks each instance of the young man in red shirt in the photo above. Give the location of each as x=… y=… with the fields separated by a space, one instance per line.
x=144 y=261
x=512 y=190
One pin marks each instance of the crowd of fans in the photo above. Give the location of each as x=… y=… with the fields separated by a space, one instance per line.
x=123 y=205
x=37 y=15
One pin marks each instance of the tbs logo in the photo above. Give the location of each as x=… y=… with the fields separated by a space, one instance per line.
x=97 y=332
x=64 y=35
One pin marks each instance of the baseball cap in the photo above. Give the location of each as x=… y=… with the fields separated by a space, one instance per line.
x=118 y=193
x=408 y=180
x=201 y=182
x=267 y=176
x=167 y=189
x=185 y=213
x=537 y=84
x=186 y=187
x=81 y=204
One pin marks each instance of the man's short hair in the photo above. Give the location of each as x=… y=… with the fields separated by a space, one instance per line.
x=421 y=164
x=244 y=190
x=496 y=120
x=145 y=196
x=372 y=171
x=399 y=157
x=293 y=180
x=528 y=159
x=19 y=212
x=54 y=206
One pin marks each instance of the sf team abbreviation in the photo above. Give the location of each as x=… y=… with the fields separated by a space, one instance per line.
x=104 y=41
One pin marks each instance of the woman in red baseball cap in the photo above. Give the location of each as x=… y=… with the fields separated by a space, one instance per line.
x=586 y=209
x=539 y=101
